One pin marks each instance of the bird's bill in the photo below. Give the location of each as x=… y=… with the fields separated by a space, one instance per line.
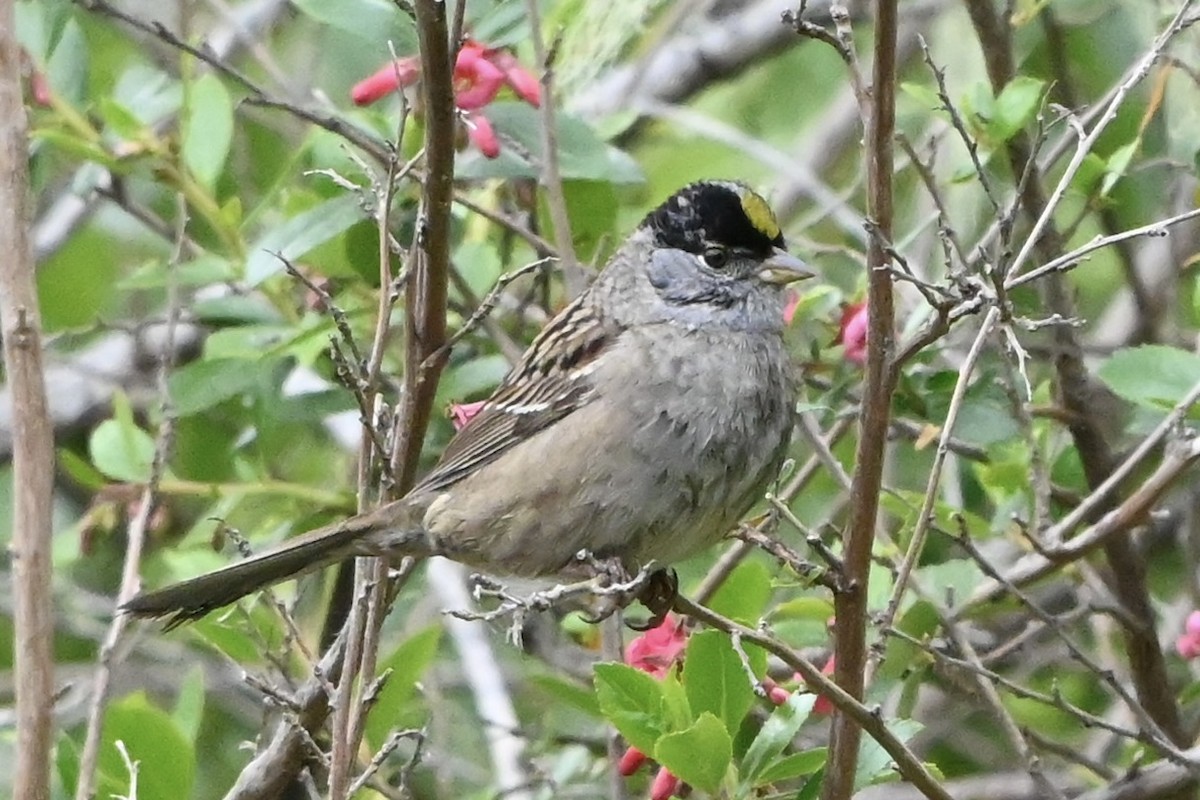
x=782 y=268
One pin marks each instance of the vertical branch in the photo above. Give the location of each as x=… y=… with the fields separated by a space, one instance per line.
x=850 y=605
x=425 y=300
x=425 y=332
x=573 y=275
x=33 y=436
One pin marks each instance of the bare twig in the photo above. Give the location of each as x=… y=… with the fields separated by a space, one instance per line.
x=574 y=278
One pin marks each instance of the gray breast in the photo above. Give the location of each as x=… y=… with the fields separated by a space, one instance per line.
x=712 y=441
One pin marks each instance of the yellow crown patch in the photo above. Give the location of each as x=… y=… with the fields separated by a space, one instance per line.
x=760 y=214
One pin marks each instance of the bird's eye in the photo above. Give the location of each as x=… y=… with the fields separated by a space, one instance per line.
x=716 y=257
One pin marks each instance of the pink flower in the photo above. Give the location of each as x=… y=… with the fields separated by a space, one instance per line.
x=462 y=413
x=522 y=81
x=482 y=134
x=480 y=73
x=477 y=80
x=852 y=332
x=1188 y=644
x=658 y=649
x=631 y=761
x=389 y=78
x=665 y=785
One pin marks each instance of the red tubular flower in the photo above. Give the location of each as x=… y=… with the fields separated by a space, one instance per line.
x=665 y=785
x=631 y=761
x=522 y=81
x=852 y=332
x=482 y=134
x=389 y=78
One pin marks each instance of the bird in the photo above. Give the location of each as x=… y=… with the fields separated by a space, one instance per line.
x=644 y=420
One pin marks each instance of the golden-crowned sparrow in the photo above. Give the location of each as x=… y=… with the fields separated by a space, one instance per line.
x=642 y=423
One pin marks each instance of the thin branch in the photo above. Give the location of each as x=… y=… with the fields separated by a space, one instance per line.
x=85 y=788
x=574 y=278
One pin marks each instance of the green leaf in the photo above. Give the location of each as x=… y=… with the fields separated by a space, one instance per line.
x=204 y=270
x=407 y=663
x=1151 y=375
x=715 y=679
x=1118 y=164
x=207 y=128
x=794 y=765
x=189 y=705
x=234 y=308
x=919 y=621
x=119 y=448
x=300 y=234
x=1015 y=107
x=809 y=609
x=699 y=755
x=567 y=692
x=925 y=95
x=632 y=701
x=677 y=710
x=118 y=119
x=873 y=761
x=376 y=21
x=776 y=735
x=166 y=762
x=745 y=593
x=76 y=146
x=203 y=384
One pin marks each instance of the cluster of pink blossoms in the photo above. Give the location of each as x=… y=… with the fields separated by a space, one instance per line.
x=480 y=72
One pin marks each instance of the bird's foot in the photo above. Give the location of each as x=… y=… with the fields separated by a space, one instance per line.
x=656 y=588
x=658 y=596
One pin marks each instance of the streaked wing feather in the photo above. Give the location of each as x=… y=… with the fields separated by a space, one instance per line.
x=550 y=382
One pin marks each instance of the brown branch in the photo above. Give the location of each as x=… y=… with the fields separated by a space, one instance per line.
x=33 y=437
x=850 y=605
x=909 y=765
x=425 y=300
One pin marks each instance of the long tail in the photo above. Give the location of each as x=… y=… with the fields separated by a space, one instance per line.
x=373 y=533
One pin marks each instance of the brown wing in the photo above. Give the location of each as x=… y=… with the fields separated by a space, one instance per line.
x=550 y=382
